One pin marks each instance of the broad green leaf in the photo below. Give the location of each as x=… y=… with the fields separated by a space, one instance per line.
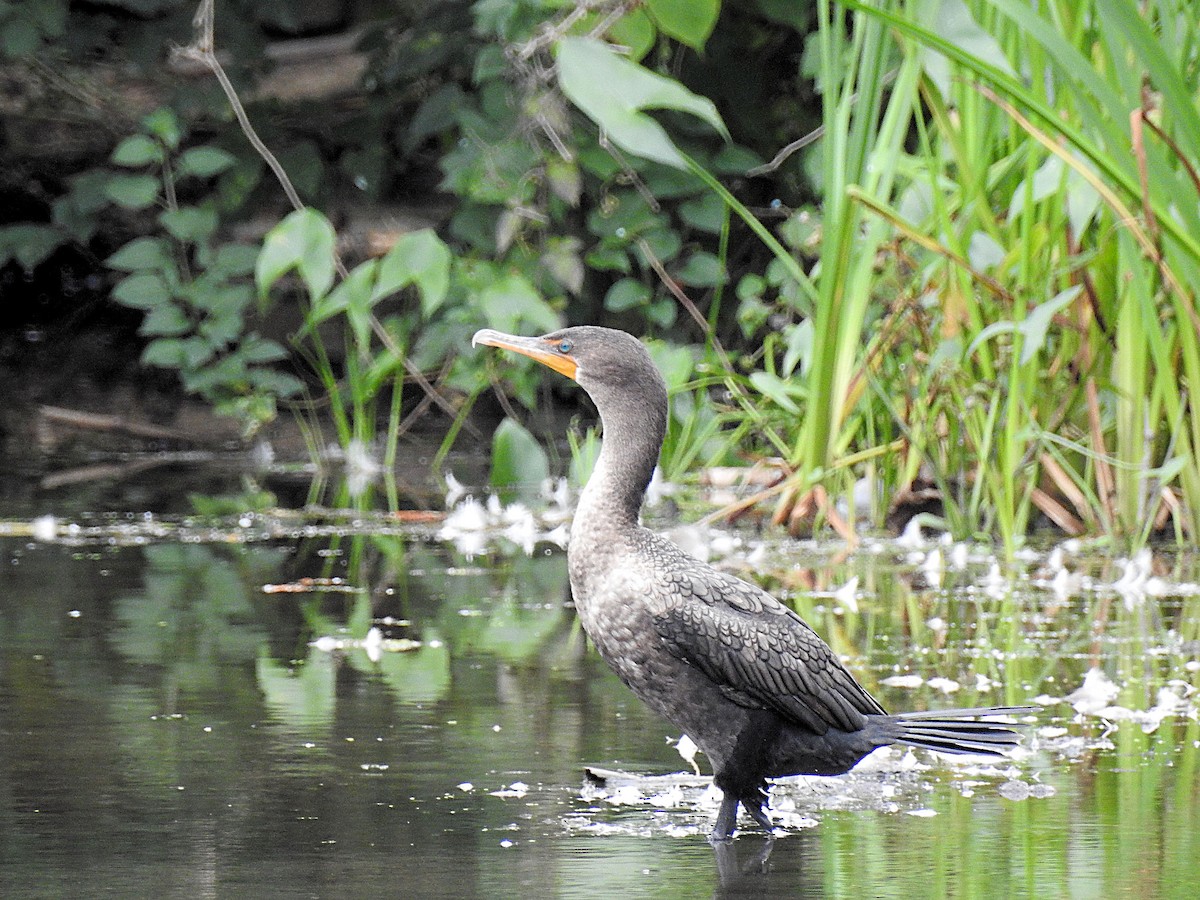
x=304 y=241
x=519 y=463
x=636 y=31
x=613 y=92
x=750 y=285
x=164 y=320
x=702 y=269
x=140 y=254
x=1080 y=197
x=205 y=161
x=218 y=296
x=564 y=179
x=136 y=150
x=662 y=313
x=29 y=244
x=142 y=290
x=663 y=244
x=688 y=21
x=799 y=347
x=132 y=191
x=233 y=259
x=609 y=258
x=168 y=353
x=704 y=213
x=561 y=260
x=511 y=302
x=775 y=389
x=351 y=297
x=281 y=384
x=419 y=258
x=628 y=293
x=1033 y=328
x=675 y=363
x=434 y=115
x=189 y=223
x=256 y=349
x=221 y=329
x=1037 y=323
x=952 y=21
x=164 y=125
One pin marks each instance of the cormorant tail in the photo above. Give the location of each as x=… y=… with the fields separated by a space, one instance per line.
x=959 y=730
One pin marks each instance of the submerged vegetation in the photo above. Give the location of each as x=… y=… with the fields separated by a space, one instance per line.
x=975 y=279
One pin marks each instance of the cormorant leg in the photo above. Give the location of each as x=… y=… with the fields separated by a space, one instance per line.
x=758 y=814
x=726 y=818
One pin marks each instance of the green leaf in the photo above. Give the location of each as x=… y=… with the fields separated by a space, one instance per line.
x=608 y=258
x=281 y=384
x=132 y=191
x=663 y=244
x=519 y=463
x=511 y=302
x=221 y=329
x=304 y=241
x=952 y=21
x=675 y=363
x=29 y=244
x=561 y=260
x=799 y=340
x=354 y=289
x=136 y=150
x=613 y=92
x=688 y=21
x=704 y=213
x=419 y=258
x=164 y=125
x=628 y=293
x=164 y=320
x=351 y=297
x=564 y=179
x=217 y=296
x=662 y=313
x=256 y=349
x=636 y=31
x=702 y=269
x=232 y=260
x=776 y=389
x=1033 y=328
x=169 y=353
x=140 y=254
x=204 y=162
x=142 y=290
x=189 y=223
x=1037 y=323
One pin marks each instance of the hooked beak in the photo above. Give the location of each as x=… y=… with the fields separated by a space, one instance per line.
x=539 y=348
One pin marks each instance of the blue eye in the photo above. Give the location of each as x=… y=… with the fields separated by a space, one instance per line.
x=565 y=346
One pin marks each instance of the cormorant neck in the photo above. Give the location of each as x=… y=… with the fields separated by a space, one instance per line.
x=634 y=424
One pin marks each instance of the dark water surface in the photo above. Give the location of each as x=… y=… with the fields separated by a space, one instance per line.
x=174 y=725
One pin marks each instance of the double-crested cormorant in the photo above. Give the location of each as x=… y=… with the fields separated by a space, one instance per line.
x=740 y=673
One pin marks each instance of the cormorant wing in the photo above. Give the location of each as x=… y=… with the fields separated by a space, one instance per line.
x=758 y=651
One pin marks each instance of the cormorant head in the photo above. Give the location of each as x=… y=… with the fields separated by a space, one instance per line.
x=604 y=362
